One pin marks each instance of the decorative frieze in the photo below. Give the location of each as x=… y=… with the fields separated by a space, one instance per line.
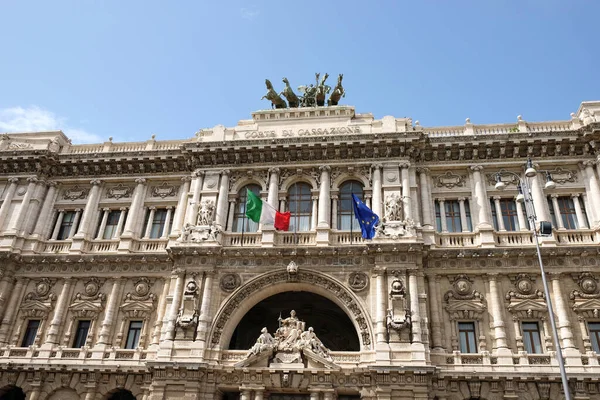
x=75 y=193
x=449 y=180
x=164 y=190
x=119 y=192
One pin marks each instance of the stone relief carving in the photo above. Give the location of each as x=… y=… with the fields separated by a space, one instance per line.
x=506 y=177
x=358 y=281
x=303 y=276
x=20 y=146
x=586 y=301
x=524 y=285
x=40 y=301
x=563 y=176
x=464 y=302
x=164 y=190
x=75 y=193
x=119 y=192
x=292 y=270
x=393 y=208
x=230 y=282
x=290 y=345
x=206 y=212
x=187 y=319
x=525 y=301
x=393 y=225
x=588 y=116
x=140 y=303
x=449 y=180
x=89 y=303
x=395 y=320
x=200 y=233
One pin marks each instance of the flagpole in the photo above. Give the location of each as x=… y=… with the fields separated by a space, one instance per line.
x=244 y=219
x=296 y=216
x=351 y=217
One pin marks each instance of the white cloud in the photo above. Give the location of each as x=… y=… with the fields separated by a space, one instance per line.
x=249 y=13
x=37 y=119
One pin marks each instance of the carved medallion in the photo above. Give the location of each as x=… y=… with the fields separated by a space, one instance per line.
x=75 y=193
x=118 y=192
x=230 y=282
x=397 y=288
x=191 y=288
x=449 y=180
x=163 y=190
x=91 y=287
x=142 y=287
x=462 y=285
x=358 y=281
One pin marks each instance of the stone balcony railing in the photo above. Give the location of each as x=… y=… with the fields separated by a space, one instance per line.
x=349 y=359
x=102 y=246
x=513 y=238
x=79 y=355
x=457 y=239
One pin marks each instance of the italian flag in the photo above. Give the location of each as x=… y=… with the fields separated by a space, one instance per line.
x=260 y=211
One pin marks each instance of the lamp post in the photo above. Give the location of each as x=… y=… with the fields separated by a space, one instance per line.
x=544 y=229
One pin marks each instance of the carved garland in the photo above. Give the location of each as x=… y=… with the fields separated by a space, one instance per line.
x=303 y=276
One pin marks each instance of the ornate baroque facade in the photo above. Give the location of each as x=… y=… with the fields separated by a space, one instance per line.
x=128 y=269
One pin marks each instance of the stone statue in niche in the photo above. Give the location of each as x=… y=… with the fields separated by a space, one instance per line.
x=398 y=315
x=393 y=208
x=187 y=319
x=394 y=224
x=292 y=346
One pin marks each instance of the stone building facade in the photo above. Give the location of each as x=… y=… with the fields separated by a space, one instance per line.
x=128 y=270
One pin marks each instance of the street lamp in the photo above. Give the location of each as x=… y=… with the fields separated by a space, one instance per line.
x=545 y=229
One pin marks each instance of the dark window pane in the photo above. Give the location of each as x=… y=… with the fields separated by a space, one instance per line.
x=531 y=337
x=30 y=333
x=466 y=333
x=241 y=223
x=81 y=333
x=133 y=335
x=594 y=328
x=300 y=206
x=346 y=220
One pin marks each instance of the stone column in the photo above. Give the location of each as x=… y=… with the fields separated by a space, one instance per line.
x=376 y=203
x=6 y=286
x=110 y=313
x=480 y=197
x=10 y=194
x=463 y=214
x=160 y=312
x=120 y=222
x=273 y=195
x=205 y=319
x=19 y=221
x=149 y=224
x=425 y=198
x=381 y=304
x=87 y=218
x=444 y=225
x=245 y=394
x=282 y=205
x=75 y=223
x=59 y=219
x=137 y=203
x=230 y=214
x=557 y=215
x=11 y=309
x=406 y=190
x=222 y=200
x=52 y=337
x=499 y=217
x=46 y=210
x=314 y=395
x=192 y=211
x=258 y=394
x=539 y=199
x=315 y=213
x=180 y=210
x=165 y=232
x=35 y=392
x=497 y=320
x=91 y=392
x=324 y=198
x=579 y=212
x=105 y=212
x=561 y=312
x=414 y=306
x=436 y=321
x=34 y=208
x=592 y=191
x=523 y=224
x=174 y=309
x=334 y=211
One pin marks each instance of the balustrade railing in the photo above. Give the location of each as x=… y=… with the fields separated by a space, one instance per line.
x=345 y=238
x=56 y=246
x=513 y=238
x=150 y=245
x=458 y=239
x=295 y=238
x=103 y=246
x=235 y=239
x=580 y=236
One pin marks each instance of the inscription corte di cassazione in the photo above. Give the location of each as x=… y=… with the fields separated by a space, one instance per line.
x=303 y=132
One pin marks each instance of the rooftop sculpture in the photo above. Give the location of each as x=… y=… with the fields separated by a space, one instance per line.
x=311 y=95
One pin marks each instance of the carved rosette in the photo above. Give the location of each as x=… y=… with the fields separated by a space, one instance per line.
x=308 y=277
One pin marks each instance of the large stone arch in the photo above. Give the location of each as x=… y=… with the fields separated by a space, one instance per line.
x=268 y=284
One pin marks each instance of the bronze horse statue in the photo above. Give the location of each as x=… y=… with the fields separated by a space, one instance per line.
x=338 y=92
x=289 y=94
x=276 y=100
x=322 y=89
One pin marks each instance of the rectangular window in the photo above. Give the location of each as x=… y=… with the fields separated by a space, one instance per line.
x=81 y=334
x=508 y=208
x=453 y=223
x=157 y=223
x=466 y=334
x=531 y=337
x=66 y=225
x=30 y=333
x=594 y=329
x=567 y=212
x=111 y=225
x=133 y=335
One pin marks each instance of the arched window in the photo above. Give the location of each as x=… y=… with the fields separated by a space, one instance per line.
x=241 y=223
x=345 y=217
x=300 y=205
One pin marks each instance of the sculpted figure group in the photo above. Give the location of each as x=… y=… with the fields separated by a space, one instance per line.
x=312 y=95
x=291 y=336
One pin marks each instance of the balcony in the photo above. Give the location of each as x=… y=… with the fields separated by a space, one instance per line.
x=576 y=237
x=457 y=239
x=102 y=246
x=295 y=238
x=337 y=238
x=55 y=246
x=237 y=239
x=513 y=238
x=150 y=245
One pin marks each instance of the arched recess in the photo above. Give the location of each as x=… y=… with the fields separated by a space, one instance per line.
x=248 y=295
x=12 y=392
x=120 y=394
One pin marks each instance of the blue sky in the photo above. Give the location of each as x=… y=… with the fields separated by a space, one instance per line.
x=129 y=69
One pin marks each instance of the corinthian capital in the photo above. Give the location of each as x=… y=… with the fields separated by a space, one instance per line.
x=274 y=170
x=198 y=173
x=476 y=168
x=140 y=181
x=376 y=166
x=588 y=163
x=225 y=172
x=96 y=182
x=423 y=170
x=184 y=179
x=404 y=164
x=324 y=168
x=32 y=179
x=13 y=180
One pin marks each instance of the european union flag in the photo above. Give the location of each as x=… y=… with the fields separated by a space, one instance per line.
x=366 y=218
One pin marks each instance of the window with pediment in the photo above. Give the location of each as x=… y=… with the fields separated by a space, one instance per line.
x=241 y=223
x=586 y=303
x=300 y=206
x=345 y=218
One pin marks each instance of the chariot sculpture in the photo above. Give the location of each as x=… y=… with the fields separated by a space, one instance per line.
x=312 y=95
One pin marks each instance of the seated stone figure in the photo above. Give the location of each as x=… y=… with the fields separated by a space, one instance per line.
x=264 y=342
